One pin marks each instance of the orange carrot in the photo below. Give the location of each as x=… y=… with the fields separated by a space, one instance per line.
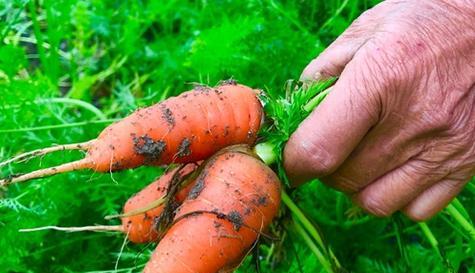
x=182 y=129
x=143 y=227
x=235 y=198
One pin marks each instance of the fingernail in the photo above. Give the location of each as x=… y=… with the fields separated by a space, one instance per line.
x=317 y=76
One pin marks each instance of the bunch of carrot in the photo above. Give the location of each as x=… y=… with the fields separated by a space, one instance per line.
x=208 y=211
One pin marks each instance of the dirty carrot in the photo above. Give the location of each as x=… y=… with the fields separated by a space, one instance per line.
x=182 y=129
x=145 y=227
x=234 y=199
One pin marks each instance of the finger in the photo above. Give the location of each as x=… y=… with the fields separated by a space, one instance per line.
x=383 y=149
x=336 y=126
x=397 y=188
x=332 y=61
x=433 y=199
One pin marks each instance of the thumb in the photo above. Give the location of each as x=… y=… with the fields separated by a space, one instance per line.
x=333 y=130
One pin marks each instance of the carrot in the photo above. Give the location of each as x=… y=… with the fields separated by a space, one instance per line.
x=144 y=225
x=235 y=198
x=187 y=128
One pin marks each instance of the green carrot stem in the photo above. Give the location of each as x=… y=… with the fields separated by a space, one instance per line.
x=459 y=206
x=430 y=237
x=321 y=258
x=315 y=101
x=298 y=214
x=266 y=152
x=301 y=217
x=461 y=220
x=471 y=187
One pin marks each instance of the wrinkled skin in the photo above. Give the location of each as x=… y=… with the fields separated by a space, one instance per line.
x=397 y=132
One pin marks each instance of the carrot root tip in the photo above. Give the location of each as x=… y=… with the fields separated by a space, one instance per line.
x=97 y=228
x=40 y=152
x=67 y=167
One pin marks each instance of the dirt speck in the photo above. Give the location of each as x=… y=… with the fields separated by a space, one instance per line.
x=202 y=88
x=219 y=215
x=229 y=82
x=116 y=165
x=146 y=146
x=235 y=218
x=167 y=115
x=184 y=148
x=198 y=187
x=146 y=216
x=262 y=200
x=217 y=224
x=217 y=91
x=162 y=221
x=247 y=211
x=226 y=131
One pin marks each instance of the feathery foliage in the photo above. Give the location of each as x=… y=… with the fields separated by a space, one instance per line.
x=69 y=68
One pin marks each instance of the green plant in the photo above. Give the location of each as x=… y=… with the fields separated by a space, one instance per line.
x=69 y=68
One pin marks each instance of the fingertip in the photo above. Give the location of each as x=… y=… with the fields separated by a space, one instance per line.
x=433 y=200
x=311 y=72
x=297 y=176
x=417 y=215
x=330 y=63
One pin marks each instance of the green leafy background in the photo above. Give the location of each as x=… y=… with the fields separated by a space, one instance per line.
x=104 y=59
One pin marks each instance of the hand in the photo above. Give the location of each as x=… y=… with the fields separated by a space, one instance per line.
x=397 y=132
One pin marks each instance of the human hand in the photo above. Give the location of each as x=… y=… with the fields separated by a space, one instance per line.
x=397 y=132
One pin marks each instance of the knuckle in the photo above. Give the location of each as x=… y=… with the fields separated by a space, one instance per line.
x=390 y=69
x=386 y=66
x=321 y=162
x=342 y=183
x=375 y=206
x=430 y=166
x=438 y=120
x=366 y=21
